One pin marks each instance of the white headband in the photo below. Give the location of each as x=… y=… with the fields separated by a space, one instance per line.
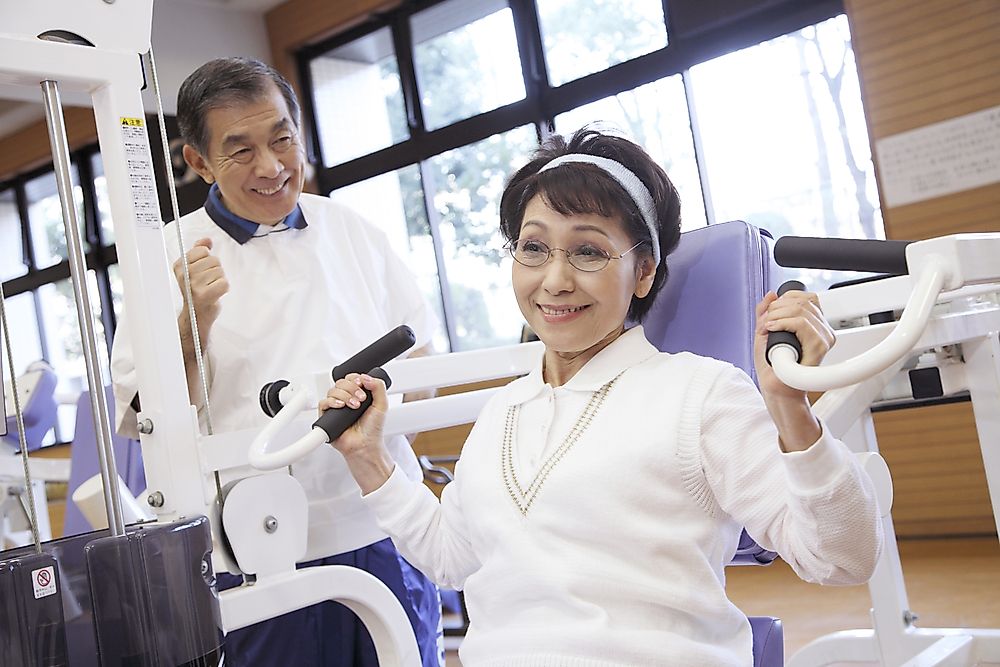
x=628 y=180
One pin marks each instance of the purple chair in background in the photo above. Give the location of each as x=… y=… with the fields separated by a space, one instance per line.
x=718 y=275
x=39 y=411
x=84 y=463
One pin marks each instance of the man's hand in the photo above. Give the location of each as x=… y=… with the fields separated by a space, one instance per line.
x=208 y=284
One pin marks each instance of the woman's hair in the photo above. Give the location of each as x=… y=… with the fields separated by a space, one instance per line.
x=579 y=188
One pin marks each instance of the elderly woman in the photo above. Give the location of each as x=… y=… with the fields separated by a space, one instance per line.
x=599 y=498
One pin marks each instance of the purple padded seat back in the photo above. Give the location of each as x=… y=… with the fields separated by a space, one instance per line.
x=39 y=412
x=84 y=463
x=718 y=275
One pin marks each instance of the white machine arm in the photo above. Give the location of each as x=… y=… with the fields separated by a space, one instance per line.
x=785 y=360
x=413 y=375
x=296 y=399
x=935 y=265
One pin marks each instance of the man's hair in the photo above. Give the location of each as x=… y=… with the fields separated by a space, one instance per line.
x=582 y=189
x=222 y=82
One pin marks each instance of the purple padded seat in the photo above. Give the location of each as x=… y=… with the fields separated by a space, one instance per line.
x=721 y=272
x=84 y=463
x=39 y=413
x=768 y=641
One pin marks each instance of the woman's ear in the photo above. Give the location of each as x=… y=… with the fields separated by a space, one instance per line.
x=645 y=273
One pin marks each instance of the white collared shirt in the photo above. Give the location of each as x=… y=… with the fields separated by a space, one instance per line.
x=300 y=302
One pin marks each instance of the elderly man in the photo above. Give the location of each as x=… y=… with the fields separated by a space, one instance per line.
x=285 y=283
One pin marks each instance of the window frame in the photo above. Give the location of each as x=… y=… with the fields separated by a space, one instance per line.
x=542 y=102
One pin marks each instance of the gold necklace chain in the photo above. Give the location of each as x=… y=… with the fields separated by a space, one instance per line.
x=524 y=498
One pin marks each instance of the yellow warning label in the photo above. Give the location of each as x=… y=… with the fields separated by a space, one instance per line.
x=134 y=122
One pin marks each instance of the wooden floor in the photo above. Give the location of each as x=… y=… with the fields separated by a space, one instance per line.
x=950 y=583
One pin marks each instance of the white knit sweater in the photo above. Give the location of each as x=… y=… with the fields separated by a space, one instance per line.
x=619 y=557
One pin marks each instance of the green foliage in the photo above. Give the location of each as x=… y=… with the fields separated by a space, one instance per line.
x=585 y=37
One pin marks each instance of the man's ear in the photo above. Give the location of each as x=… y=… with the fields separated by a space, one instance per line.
x=197 y=162
x=645 y=273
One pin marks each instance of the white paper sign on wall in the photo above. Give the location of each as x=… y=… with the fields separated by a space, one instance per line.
x=943 y=158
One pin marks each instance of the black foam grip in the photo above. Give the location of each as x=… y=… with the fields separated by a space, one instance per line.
x=382 y=351
x=337 y=420
x=785 y=337
x=871 y=255
x=270 y=400
x=790 y=285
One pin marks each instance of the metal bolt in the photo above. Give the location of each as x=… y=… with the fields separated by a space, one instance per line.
x=155 y=499
x=204 y=567
x=270 y=524
x=909 y=618
x=145 y=426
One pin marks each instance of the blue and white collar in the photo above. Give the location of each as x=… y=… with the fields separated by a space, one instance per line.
x=241 y=229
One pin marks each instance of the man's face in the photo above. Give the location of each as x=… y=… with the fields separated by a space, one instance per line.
x=255 y=156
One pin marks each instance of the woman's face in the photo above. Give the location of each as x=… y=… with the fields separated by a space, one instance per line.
x=571 y=310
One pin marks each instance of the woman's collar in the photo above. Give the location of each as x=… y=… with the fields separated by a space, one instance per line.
x=626 y=351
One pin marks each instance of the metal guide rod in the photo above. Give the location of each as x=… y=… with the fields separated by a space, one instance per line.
x=31 y=512
x=78 y=271
x=189 y=298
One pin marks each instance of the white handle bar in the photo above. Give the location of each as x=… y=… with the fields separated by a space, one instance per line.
x=262 y=459
x=898 y=343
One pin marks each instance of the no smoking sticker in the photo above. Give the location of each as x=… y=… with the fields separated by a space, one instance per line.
x=44 y=582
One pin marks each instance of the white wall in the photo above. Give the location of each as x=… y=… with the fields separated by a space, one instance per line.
x=186 y=35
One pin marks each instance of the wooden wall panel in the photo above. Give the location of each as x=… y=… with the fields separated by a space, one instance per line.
x=924 y=62
x=29 y=148
x=921 y=63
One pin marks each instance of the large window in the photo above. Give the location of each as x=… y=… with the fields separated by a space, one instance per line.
x=655 y=116
x=466 y=59
x=45 y=218
x=467 y=184
x=358 y=86
x=586 y=36
x=12 y=260
x=41 y=308
x=396 y=200
x=754 y=112
x=796 y=158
